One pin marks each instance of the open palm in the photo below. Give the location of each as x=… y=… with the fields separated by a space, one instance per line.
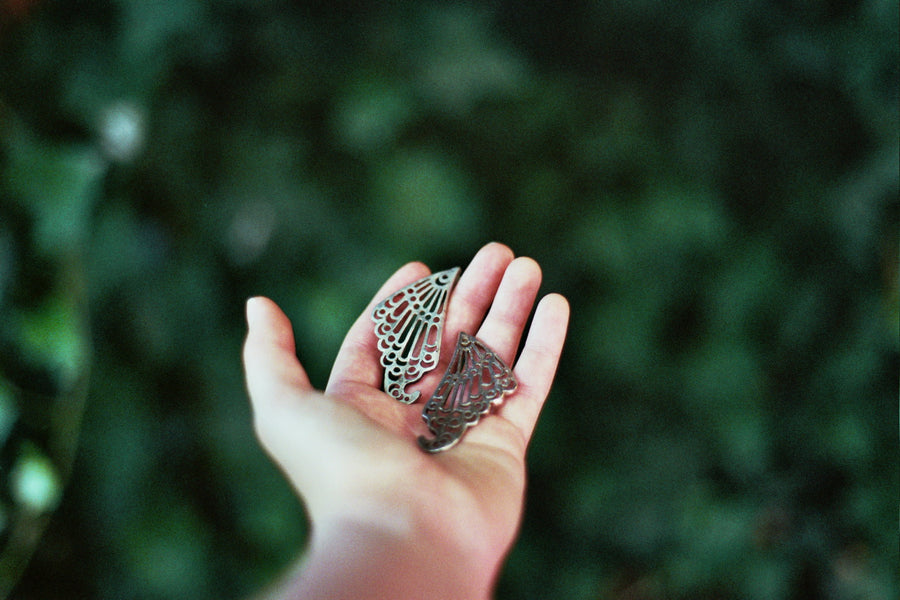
x=351 y=451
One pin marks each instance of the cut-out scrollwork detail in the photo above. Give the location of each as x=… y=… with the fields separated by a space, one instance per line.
x=475 y=380
x=409 y=324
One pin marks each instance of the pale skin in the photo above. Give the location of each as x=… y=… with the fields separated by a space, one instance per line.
x=389 y=521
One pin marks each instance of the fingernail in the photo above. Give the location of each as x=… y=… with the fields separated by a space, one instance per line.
x=251 y=310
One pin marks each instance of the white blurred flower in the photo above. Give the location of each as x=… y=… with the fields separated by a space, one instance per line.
x=35 y=484
x=250 y=231
x=122 y=132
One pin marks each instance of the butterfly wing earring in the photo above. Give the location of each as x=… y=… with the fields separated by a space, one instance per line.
x=409 y=324
x=475 y=380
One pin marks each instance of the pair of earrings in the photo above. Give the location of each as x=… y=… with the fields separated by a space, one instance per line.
x=409 y=325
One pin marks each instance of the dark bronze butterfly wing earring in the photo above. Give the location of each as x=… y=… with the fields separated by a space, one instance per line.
x=476 y=379
x=409 y=324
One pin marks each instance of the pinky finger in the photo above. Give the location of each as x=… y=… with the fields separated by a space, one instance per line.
x=537 y=364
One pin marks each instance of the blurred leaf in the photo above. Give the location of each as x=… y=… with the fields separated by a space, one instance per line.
x=9 y=412
x=370 y=116
x=59 y=185
x=424 y=201
x=52 y=336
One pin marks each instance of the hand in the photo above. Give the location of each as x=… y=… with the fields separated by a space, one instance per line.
x=389 y=520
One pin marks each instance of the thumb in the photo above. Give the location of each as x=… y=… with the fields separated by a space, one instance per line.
x=274 y=375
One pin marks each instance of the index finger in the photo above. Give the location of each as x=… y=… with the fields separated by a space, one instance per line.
x=358 y=360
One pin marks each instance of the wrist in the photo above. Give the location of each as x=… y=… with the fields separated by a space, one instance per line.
x=387 y=559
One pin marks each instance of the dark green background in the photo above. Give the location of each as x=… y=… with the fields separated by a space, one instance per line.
x=714 y=186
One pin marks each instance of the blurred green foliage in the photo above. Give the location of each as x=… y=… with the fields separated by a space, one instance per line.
x=714 y=185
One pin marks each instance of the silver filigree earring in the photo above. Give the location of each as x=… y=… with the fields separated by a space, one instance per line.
x=409 y=324
x=476 y=379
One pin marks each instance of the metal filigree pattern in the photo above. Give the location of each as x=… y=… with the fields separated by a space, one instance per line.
x=476 y=379
x=409 y=324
